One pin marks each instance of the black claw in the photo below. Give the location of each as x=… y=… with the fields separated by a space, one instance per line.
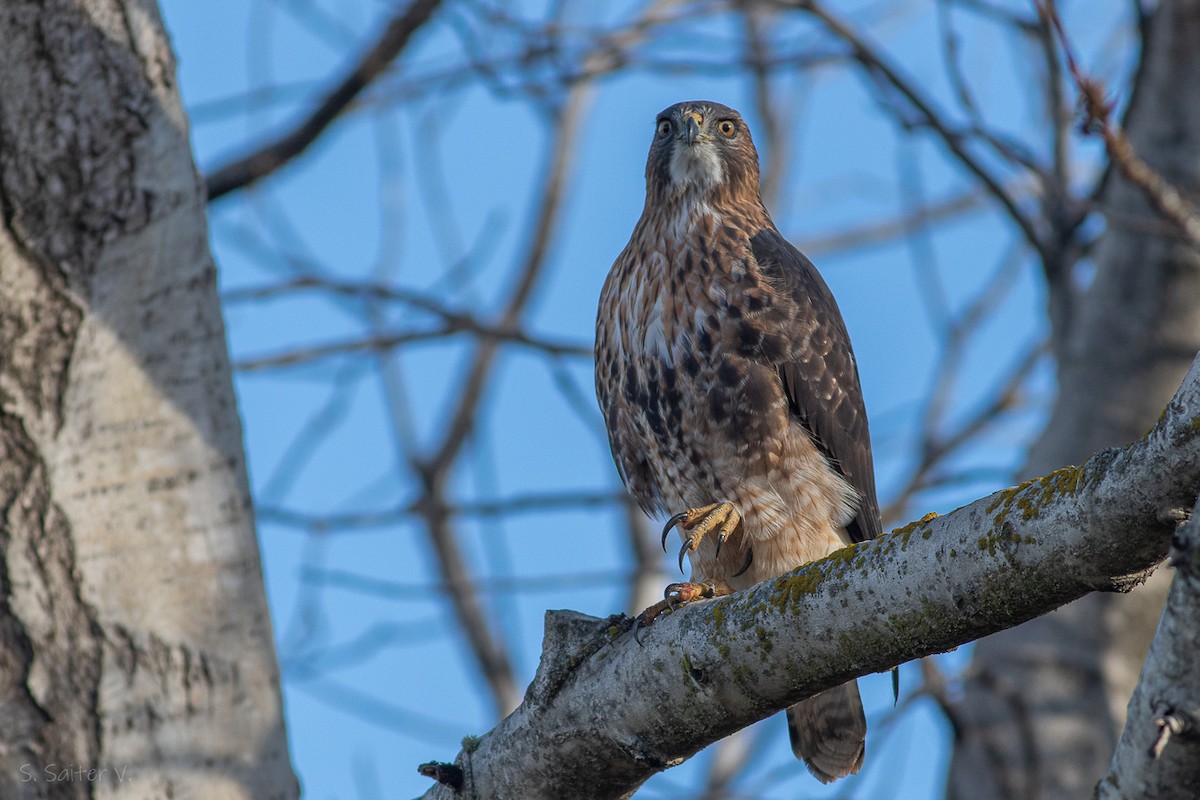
x=637 y=631
x=683 y=551
x=671 y=523
x=720 y=541
x=749 y=561
x=670 y=596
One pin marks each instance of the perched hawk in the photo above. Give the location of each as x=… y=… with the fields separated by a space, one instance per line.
x=730 y=391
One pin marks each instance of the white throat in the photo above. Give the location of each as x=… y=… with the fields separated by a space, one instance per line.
x=696 y=167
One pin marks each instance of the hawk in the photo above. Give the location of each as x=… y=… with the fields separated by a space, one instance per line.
x=731 y=394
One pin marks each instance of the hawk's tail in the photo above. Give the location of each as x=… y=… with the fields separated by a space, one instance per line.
x=828 y=732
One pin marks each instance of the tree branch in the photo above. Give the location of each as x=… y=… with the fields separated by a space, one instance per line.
x=462 y=323
x=1158 y=756
x=955 y=140
x=1166 y=199
x=274 y=154
x=605 y=714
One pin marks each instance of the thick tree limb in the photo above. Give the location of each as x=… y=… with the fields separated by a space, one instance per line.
x=274 y=154
x=1158 y=756
x=603 y=714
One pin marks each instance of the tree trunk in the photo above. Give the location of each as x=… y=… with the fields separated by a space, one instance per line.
x=1046 y=701
x=136 y=655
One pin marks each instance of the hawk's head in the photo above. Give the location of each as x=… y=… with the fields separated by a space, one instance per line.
x=701 y=149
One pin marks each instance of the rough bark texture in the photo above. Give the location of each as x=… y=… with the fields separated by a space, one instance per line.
x=1046 y=703
x=1149 y=765
x=604 y=713
x=134 y=636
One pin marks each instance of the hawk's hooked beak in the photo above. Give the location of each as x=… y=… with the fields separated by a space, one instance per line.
x=691 y=128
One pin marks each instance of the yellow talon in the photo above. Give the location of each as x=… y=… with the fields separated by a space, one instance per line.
x=699 y=522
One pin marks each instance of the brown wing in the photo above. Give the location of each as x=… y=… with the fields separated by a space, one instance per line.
x=820 y=376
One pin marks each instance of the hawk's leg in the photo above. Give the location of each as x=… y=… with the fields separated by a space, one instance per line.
x=722 y=517
x=675 y=595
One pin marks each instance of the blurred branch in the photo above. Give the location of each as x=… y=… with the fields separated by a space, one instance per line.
x=312 y=434
x=379 y=711
x=951 y=58
x=881 y=232
x=877 y=65
x=434 y=471
x=1059 y=116
x=462 y=324
x=775 y=146
x=934 y=444
x=731 y=756
x=1004 y=16
x=525 y=584
x=369 y=643
x=1058 y=207
x=520 y=504
x=1097 y=109
x=647 y=579
x=936 y=447
x=274 y=154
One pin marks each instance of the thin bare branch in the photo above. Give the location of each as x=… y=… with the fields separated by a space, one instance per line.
x=934 y=444
x=936 y=448
x=506 y=507
x=876 y=233
x=434 y=471
x=775 y=146
x=1160 y=193
x=955 y=140
x=1006 y=17
x=455 y=324
x=268 y=158
x=525 y=584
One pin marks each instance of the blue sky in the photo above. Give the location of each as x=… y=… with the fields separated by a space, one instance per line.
x=436 y=195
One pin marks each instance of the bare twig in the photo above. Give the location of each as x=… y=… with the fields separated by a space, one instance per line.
x=954 y=140
x=935 y=444
x=1006 y=17
x=936 y=447
x=270 y=157
x=876 y=233
x=395 y=590
x=1097 y=109
x=463 y=324
x=434 y=471
x=775 y=145
x=519 y=504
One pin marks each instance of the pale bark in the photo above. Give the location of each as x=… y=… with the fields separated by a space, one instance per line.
x=1045 y=702
x=1158 y=757
x=134 y=636
x=603 y=713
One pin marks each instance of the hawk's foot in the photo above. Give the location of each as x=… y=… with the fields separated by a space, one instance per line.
x=722 y=517
x=674 y=596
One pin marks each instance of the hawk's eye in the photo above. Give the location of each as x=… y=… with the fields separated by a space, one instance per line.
x=727 y=127
x=664 y=128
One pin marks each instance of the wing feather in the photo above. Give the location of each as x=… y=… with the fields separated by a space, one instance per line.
x=818 y=370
